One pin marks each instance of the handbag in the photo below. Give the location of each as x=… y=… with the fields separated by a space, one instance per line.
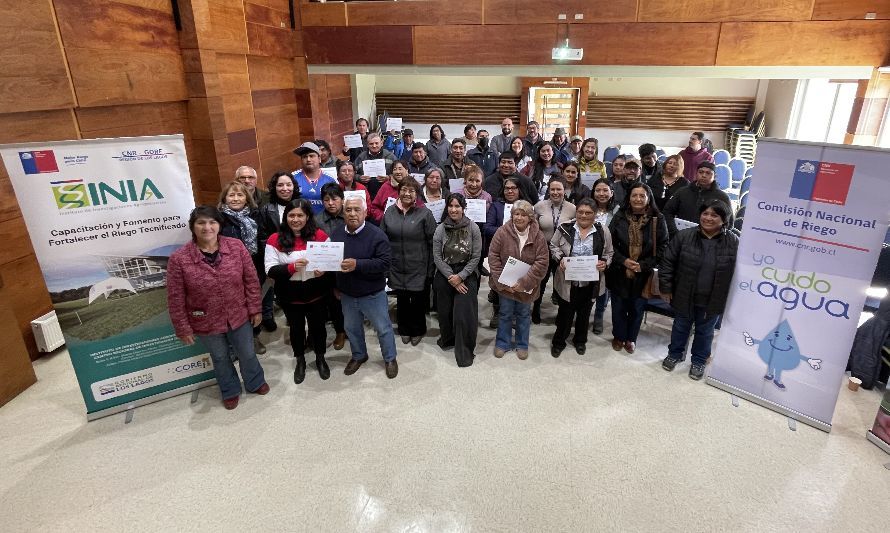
x=651 y=289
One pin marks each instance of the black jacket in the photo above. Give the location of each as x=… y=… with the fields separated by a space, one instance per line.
x=685 y=203
x=678 y=275
x=662 y=194
x=868 y=345
x=494 y=185
x=487 y=160
x=616 y=280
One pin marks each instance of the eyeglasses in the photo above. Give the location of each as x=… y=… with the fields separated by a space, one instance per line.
x=511 y=188
x=247 y=178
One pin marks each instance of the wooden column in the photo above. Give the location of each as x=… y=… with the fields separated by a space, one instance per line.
x=869 y=110
x=16 y=372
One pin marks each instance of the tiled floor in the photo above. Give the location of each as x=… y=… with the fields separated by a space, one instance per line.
x=599 y=442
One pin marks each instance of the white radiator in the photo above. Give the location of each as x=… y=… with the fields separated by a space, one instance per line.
x=47 y=332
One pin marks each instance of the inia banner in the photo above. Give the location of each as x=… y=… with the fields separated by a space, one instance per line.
x=104 y=216
x=815 y=219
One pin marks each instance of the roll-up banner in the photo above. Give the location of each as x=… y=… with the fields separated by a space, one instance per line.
x=815 y=220
x=879 y=434
x=104 y=215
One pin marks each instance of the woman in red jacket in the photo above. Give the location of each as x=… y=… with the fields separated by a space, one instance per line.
x=213 y=294
x=301 y=294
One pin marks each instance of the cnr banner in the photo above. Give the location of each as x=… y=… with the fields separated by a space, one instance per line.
x=815 y=220
x=104 y=216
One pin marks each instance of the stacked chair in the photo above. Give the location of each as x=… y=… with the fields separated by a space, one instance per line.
x=742 y=143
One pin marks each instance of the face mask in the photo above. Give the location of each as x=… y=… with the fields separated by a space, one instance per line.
x=483 y=142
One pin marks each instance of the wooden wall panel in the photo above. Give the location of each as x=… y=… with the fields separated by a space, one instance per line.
x=33 y=75
x=111 y=77
x=117 y=25
x=228 y=32
x=850 y=9
x=460 y=45
x=154 y=119
x=233 y=74
x=16 y=372
x=331 y=100
x=517 y=11
x=270 y=73
x=414 y=13
x=270 y=41
x=268 y=15
x=15 y=239
x=327 y=14
x=28 y=296
x=607 y=44
x=371 y=45
x=863 y=42
x=724 y=10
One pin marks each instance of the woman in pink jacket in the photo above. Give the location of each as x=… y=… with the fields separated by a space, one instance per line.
x=213 y=294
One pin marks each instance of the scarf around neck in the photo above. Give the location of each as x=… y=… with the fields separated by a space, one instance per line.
x=247 y=226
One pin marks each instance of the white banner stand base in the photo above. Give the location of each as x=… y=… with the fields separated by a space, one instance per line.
x=763 y=402
x=872 y=438
x=129 y=407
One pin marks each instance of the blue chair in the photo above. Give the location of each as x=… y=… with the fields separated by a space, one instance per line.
x=721 y=157
x=724 y=176
x=740 y=213
x=662 y=158
x=743 y=199
x=745 y=186
x=608 y=165
x=611 y=153
x=749 y=172
x=738 y=167
x=660 y=153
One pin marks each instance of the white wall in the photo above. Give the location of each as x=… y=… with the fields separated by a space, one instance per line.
x=363 y=90
x=423 y=84
x=778 y=107
x=673 y=87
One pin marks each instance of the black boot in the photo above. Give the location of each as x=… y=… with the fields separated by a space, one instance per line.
x=322 y=366
x=300 y=371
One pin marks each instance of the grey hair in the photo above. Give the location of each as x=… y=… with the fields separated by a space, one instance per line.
x=522 y=205
x=242 y=167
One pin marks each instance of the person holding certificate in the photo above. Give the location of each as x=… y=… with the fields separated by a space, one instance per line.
x=603 y=211
x=494 y=220
x=457 y=251
x=329 y=221
x=550 y=213
x=587 y=159
x=583 y=250
x=301 y=294
x=695 y=277
x=518 y=259
x=389 y=192
x=639 y=236
x=575 y=190
x=410 y=226
x=346 y=179
x=433 y=189
x=478 y=202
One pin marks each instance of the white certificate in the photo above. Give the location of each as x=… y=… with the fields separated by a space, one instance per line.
x=324 y=256
x=393 y=124
x=455 y=185
x=389 y=201
x=418 y=178
x=513 y=270
x=588 y=178
x=508 y=210
x=582 y=268
x=476 y=210
x=374 y=167
x=353 y=141
x=684 y=224
x=330 y=171
x=303 y=275
x=355 y=194
x=437 y=207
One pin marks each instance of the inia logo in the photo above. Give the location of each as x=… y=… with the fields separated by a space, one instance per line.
x=74 y=194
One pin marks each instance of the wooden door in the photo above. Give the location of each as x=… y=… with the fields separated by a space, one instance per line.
x=554 y=108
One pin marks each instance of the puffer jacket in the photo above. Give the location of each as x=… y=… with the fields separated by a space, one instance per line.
x=681 y=264
x=616 y=280
x=561 y=246
x=686 y=202
x=410 y=235
x=536 y=253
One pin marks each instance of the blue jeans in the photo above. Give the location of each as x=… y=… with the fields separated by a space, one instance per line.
x=241 y=339
x=601 y=302
x=627 y=317
x=375 y=308
x=511 y=309
x=701 y=341
x=268 y=300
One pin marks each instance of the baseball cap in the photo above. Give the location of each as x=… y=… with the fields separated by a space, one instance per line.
x=306 y=148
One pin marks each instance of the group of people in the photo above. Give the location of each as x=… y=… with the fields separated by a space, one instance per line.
x=545 y=203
